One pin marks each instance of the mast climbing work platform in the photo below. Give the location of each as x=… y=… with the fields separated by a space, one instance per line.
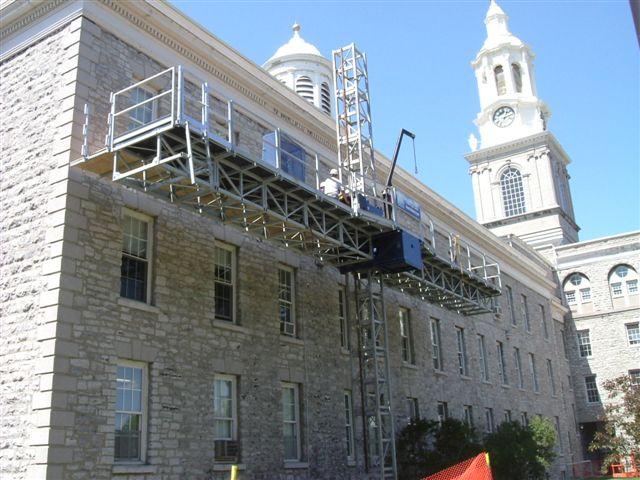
x=171 y=137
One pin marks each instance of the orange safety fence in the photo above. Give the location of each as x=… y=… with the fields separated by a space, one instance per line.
x=476 y=468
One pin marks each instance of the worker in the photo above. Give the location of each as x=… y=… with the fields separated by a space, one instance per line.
x=332 y=186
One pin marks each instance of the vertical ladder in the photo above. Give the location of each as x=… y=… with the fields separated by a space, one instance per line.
x=353 y=123
x=374 y=375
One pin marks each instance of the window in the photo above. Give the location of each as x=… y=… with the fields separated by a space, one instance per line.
x=552 y=380
x=144 y=113
x=635 y=377
x=304 y=88
x=524 y=419
x=443 y=412
x=286 y=296
x=577 y=291
x=516 y=358
x=623 y=281
x=405 y=335
x=557 y=425
x=225 y=408
x=131 y=412
x=534 y=374
x=348 y=425
x=435 y=344
x=325 y=98
x=462 y=351
x=570 y=382
x=502 y=368
x=584 y=343
x=545 y=327
x=412 y=408
x=633 y=333
x=291 y=419
x=563 y=336
x=507 y=415
x=484 y=369
x=467 y=411
x=512 y=192
x=224 y=281
x=342 y=318
x=510 y=302
x=517 y=77
x=135 y=270
x=501 y=86
x=489 y=424
x=592 y=389
x=525 y=312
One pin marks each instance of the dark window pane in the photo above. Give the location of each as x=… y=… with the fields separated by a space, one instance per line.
x=223 y=301
x=133 y=279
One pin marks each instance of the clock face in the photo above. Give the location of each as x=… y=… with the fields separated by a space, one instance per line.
x=503 y=116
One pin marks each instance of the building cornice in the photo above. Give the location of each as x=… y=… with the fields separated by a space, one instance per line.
x=519 y=145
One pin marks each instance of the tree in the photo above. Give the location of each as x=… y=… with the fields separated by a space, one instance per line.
x=521 y=453
x=620 y=435
x=425 y=447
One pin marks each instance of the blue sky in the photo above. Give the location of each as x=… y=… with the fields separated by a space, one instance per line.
x=587 y=69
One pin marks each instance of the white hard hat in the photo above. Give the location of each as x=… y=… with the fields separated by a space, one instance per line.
x=334 y=171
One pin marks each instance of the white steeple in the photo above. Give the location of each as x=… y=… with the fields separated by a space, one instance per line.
x=301 y=67
x=509 y=104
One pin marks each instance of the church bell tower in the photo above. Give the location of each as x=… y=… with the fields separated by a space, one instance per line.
x=518 y=168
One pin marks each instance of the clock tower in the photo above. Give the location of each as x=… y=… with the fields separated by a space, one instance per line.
x=518 y=168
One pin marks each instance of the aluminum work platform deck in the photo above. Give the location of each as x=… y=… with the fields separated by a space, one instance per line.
x=172 y=138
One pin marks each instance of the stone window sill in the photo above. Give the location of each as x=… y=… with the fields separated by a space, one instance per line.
x=351 y=463
x=411 y=366
x=440 y=372
x=226 y=467
x=230 y=326
x=127 y=302
x=465 y=377
x=344 y=351
x=505 y=385
x=133 y=469
x=296 y=464
x=291 y=340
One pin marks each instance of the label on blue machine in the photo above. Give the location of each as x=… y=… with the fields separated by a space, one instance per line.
x=408 y=204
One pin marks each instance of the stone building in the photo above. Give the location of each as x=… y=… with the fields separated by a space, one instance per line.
x=149 y=334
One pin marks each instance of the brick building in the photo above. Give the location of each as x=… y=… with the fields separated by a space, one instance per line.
x=150 y=334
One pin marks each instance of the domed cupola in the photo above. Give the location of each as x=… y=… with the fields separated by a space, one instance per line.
x=301 y=67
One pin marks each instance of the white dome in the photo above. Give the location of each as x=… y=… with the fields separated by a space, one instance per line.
x=295 y=46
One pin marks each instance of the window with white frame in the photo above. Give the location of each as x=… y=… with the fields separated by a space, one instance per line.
x=443 y=412
x=502 y=368
x=342 y=318
x=623 y=281
x=291 y=421
x=413 y=410
x=512 y=312
x=635 y=376
x=304 y=88
x=534 y=373
x=405 y=335
x=144 y=112
x=286 y=301
x=325 y=98
x=225 y=407
x=131 y=411
x=512 y=192
x=593 y=396
x=524 y=419
x=436 y=351
x=224 y=277
x=584 y=343
x=518 y=363
x=545 y=327
x=489 y=423
x=348 y=425
x=482 y=352
x=524 y=309
x=552 y=380
x=517 y=77
x=462 y=351
x=467 y=412
x=501 y=86
x=135 y=271
x=633 y=333
x=507 y=415
x=577 y=291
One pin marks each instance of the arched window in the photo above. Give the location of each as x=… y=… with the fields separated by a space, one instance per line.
x=325 y=98
x=304 y=88
x=517 y=77
x=577 y=292
x=512 y=192
x=501 y=86
x=623 y=282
